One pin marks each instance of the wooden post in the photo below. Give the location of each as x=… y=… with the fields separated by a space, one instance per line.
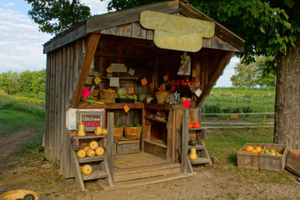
x=185 y=137
x=110 y=141
x=214 y=77
x=91 y=49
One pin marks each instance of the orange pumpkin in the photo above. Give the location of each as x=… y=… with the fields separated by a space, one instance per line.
x=196 y=125
x=190 y=125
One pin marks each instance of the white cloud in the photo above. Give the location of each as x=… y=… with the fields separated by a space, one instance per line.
x=9 y=4
x=20 y=43
x=97 y=6
x=224 y=80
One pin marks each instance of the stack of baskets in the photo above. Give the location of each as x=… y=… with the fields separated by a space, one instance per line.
x=107 y=96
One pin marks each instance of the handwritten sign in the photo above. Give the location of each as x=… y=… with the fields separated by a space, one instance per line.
x=85 y=92
x=131 y=90
x=186 y=103
x=144 y=81
x=131 y=71
x=166 y=78
x=109 y=70
x=117 y=67
x=114 y=82
x=97 y=80
x=198 y=92
x=126 y=108
x=90 y=119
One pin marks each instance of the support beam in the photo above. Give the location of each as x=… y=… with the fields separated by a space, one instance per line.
x=214 y=77
x=91 y=49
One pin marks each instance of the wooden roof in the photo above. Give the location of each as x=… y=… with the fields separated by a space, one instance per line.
x=125 y=23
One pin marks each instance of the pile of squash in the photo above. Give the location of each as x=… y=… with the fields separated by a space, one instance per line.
x=90 y=151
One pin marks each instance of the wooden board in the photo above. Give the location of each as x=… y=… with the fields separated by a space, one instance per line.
x=156 y=149
x=247 y=159
x=293 y=162
x=273 y=163
x=128 y=148
x=140 y=159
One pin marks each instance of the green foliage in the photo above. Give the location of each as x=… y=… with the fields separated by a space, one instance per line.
x=254 y=74
x=55 y=16
x=212 y=108
x=27 y=83
x=31 y=100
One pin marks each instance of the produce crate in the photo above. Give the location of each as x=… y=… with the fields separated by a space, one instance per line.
x=247 y=159
x=293 y=162
x=273 y=163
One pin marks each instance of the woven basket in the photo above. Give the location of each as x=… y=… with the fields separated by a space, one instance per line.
x=16 y=194
x=133 y=133
x=118 y=133
x=107 y=97
x=161 y=96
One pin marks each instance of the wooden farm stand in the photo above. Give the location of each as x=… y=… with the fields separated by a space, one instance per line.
x=161 y=153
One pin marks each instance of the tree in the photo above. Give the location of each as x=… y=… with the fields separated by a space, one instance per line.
x=56 y=16
x=9 y=82
x=270 y=28
x=253 y=74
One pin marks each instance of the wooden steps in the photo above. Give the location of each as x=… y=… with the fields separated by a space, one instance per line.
x=200 y=161
x=148 y=181
x=122 y=175
x=94 y=175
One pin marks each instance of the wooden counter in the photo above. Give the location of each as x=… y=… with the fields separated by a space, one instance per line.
x=121 y=105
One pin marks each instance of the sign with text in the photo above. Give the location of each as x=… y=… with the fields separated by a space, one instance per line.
x=90 y=120
x=117 y=67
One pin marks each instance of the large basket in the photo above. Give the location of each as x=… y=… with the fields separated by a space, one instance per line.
x=107 y=97
x=133 y=133
x=118 y=133
x=161 y=96
x=17 y=194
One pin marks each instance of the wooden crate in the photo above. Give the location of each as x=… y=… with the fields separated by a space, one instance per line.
x=128 y=146
x=247 y=159
x=273 y=163
x=293 y=162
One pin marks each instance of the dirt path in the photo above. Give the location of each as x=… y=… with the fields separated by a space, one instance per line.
x=223 y=181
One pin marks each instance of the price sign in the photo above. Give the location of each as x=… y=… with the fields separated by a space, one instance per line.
x=144 y=81
x=126 y=108
x=166 y=78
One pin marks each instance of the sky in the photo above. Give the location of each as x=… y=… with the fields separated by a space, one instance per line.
x=21 y=43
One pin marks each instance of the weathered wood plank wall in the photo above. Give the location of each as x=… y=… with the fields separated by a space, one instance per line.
x=63 y=70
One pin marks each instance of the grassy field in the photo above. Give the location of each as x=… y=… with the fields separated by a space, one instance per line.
x=258 y=99
x=16 y=116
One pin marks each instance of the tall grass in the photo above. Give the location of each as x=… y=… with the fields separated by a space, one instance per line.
x=16 y=116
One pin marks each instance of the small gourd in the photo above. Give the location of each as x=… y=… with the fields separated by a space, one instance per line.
x=193 y=154
x=90 y=153
x=81 y=153
x=81 y=132
x=94 y=145
x=87 y=169
x=99 y=151
x=28 y=197
x=193 y=142
x=104 y=131
x=86 y=148
x=98 y=130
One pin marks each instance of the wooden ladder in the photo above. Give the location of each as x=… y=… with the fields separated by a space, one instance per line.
x=202 y=153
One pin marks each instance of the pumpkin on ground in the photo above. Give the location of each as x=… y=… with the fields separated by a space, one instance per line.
x=99 y=151
x=87 y=169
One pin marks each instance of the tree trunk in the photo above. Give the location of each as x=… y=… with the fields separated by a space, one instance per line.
x=286 y=127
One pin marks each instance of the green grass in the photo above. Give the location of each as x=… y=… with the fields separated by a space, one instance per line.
x=16 y=116
x=224 y=144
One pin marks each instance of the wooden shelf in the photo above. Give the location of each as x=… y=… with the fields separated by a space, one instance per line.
x=124 y=79
x=121 y=105
x=156 y=120
x=198 y=129
x=197 y=147
x=192 y=88
x=200 y=161
x=156 y=143
x=95 y=175
x=91 y=159
x=89 y=137
x=163 y=107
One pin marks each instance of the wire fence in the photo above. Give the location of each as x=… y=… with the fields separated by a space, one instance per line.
x=243 y=123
